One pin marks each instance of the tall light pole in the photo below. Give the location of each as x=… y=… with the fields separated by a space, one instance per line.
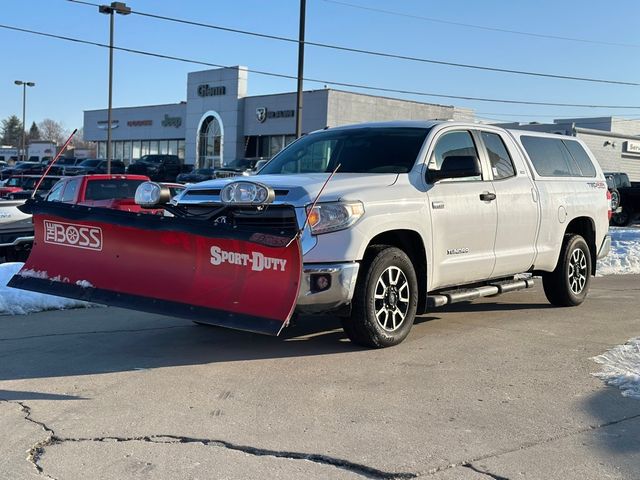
x=122 y=9
x=24 y=110
x=303 y=5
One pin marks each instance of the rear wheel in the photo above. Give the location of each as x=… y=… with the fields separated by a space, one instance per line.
x=568 y=284
x=615 y=199
x=385 y=300
x=621 y=218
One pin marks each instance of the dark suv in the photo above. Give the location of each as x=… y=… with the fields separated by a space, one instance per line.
x=160 y=167
x=93 y=165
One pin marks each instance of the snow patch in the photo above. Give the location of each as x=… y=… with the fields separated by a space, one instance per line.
x=621 y=368
x=21 y=302
x=84 y=284
x=624 y=257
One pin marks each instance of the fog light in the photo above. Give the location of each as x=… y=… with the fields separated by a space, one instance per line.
x=320 y=282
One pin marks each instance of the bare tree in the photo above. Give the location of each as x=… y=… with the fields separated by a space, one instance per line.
x=52 y=131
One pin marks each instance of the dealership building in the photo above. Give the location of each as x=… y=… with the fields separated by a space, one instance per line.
x=219 y=122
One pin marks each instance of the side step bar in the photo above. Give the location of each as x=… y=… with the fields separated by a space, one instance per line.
x=467 y=294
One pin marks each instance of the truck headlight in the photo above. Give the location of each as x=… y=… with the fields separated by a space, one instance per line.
x=247 y=193
x=333 y=216
x=151 y=194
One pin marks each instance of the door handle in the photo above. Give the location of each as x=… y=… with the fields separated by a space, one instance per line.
x=487 y=196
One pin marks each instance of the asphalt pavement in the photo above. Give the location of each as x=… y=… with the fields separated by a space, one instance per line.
x=500 y=388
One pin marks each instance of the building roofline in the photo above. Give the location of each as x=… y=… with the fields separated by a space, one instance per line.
x=138 y=106
x=604 y=133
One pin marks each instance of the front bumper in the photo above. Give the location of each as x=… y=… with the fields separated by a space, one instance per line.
x=605 y=248
x=342 y=278
x=15 y=239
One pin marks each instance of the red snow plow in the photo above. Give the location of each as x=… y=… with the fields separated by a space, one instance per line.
x=241 y=273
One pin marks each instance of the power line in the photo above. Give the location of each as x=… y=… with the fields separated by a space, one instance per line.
x=322 y=81
x=375 y=53
x=484 y=27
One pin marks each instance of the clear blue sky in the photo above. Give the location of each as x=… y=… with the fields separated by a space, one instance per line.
x=71 y=77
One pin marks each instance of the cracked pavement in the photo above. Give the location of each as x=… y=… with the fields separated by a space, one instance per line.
x=499 y=388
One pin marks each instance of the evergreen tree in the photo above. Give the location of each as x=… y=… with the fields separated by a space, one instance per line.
x=34 y=132
x=11 y=131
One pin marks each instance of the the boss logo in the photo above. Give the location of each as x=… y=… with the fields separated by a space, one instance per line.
x=71 y=235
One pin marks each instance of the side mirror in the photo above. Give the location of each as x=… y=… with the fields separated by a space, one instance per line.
x=456 y=166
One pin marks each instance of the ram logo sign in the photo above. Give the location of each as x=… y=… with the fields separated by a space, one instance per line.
x=72 y=235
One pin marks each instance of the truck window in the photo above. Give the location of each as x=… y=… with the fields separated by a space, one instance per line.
x=453 y=144
x=56 y=192
x=580 y=156
x=70 y=191
x=501 y=164
x=550 y=157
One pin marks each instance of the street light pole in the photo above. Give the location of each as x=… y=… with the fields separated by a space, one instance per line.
x=122 y=9
x=303 y=7
x=24 y=111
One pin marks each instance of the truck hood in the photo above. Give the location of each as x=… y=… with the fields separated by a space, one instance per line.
x=10 y=215
x=304 y=188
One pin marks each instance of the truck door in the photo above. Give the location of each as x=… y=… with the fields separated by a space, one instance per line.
x=518 y=209
x=463 y=215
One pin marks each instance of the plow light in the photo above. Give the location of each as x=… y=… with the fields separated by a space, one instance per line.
x=151 y=194
x=247 y=193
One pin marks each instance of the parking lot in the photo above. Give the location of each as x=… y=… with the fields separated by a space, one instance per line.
x=499 y=388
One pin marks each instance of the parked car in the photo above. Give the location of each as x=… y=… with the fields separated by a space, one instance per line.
x=29 y=185
x=16 y=232
x=158 y=167
x=91 y=166
x=197 y=175
x=625 y=198
x=15 y=185
x=22 y=168
x=240 y=166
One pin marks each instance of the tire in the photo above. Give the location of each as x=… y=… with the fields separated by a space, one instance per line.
x=568 y=284
x=621 y=218
x=385 y=300
x=615 y=199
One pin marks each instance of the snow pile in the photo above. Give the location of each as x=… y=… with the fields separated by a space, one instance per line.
x=621 y=368
x=624 y=257
x=20 y=302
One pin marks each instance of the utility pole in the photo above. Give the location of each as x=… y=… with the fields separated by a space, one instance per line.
x=303 y=7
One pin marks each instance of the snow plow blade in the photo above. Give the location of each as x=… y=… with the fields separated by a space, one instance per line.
x=246 y=279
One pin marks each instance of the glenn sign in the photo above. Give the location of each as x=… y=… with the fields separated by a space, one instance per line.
x=207 y=90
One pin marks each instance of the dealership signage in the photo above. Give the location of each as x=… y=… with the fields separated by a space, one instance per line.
x=104 y=124
x=139 y=123
x=262 y=114
x=632 y=147
x=171 y=121
x=207 y=90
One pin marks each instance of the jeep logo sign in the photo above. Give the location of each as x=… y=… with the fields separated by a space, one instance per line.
x=72 y=235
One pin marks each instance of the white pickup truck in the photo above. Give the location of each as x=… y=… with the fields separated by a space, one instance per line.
x=421 y=214
x=374 y=223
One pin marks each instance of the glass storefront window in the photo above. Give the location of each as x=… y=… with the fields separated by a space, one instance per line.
x=135 y=149
x=144 y=150
x=173 y=147
x=102 y=150
x=263 y=146
x=126 y=152
x=277 y=144
x=163 y=147
x=153 y=147
x=117 y=151
x=289 y=139
x=181 y=149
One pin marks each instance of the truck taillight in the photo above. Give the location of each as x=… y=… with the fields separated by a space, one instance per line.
x=609 y=203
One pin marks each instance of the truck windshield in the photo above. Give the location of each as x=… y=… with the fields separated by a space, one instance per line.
x=357 y=150
x=90 y=163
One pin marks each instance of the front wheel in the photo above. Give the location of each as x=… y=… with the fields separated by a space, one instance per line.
x=385 y=300
x=568 y=284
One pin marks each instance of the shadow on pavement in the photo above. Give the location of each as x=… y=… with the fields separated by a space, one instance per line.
x=23 y=395
x=616 y=429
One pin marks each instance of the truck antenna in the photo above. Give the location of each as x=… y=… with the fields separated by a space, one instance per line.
x=64 y=147
x=313 y=205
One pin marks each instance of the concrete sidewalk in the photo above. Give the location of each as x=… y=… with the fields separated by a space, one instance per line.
x=499 y=388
